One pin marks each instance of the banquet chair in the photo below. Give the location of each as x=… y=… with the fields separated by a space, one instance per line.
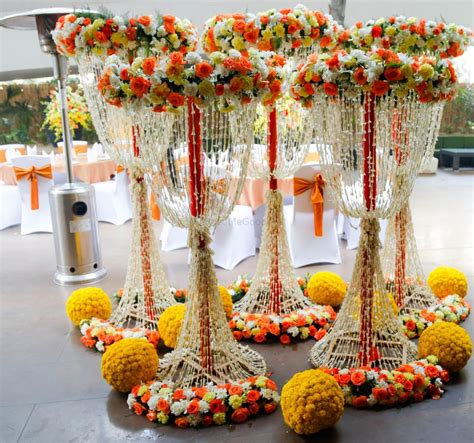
x=351 y=231
x=10 y=206
x=259 y=215
x=305 y=247
x=34 y=220
x=4 y=149
x=79 y=147
x=234 y=239
x=113 y=199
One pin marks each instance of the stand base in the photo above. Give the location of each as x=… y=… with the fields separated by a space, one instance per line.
x=81 y=279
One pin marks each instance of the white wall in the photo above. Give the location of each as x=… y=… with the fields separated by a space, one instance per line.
x=19 y=50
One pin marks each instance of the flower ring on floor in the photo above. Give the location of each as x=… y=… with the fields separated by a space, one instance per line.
x=299 y=325
x=100 y=334
x=212 y=404
x=452 y=308
x=412 y=382
x=178 y=294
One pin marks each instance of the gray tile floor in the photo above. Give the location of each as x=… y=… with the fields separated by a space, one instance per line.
x=51 y=388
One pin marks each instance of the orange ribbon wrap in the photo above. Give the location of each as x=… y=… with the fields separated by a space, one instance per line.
x=301 y=185
x=155 y=209
x=32 y=175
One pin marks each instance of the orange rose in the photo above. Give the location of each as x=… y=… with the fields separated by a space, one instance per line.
x=176 y=58
x=359 y=402
x=264 y=45
x=344 y=379
x=140 y=86
x=330 y=89
x=251 y=36
x=380 y=394
x=269 y=407
x=151 y=415
x=320 y=334
x=325 y=41
x=204 y=70
x=410 y=325
x=274 y=329
x=216 y=406
x=144 y=20
x=181 y=422
x=235 y=390
x=359 y=76
x=285 y=339
x=393 y=74
x=239 y=26
x=193 y=407
x=253 y=396
x=200 y=392
x=176 y=99
x=149 y=65
x=292 y=28
x=431 y=371
x=419 y=380
x=179 y=394
x=146 y=396
x=254 y=408
x=358 y=378
x=138 y=408
x=380 y=87
x=236 y=84
x=240 y=415
x=259 y=338
x=237 y=335
x=163 y=405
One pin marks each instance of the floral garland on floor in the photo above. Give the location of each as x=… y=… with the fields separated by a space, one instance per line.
x=452 y=308
x=209 y=405
x=100 y=334
x=299 y=325
x=412 y=382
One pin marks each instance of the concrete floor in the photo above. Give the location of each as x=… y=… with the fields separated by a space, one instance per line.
x=52 y=390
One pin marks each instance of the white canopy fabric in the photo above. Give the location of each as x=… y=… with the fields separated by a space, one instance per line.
x=20 y=52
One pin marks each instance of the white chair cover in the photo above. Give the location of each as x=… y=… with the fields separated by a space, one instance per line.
x=305 y=247
x=38 y=220
x=10 y=206
x=113 y=199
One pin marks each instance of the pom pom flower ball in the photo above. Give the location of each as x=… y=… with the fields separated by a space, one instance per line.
x=445 y=281
x=311 y=401
x=169 y=324
x=326 y=288
x=447 y=341
x=129 y=362
x=86 y=303
x=226 y=299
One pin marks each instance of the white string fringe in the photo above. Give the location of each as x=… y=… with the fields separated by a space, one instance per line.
x=371 y=150
x=146 y=290
x=274 y=288
x=197 y=183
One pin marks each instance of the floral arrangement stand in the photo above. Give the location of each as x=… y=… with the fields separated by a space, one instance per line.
x=355 y=116
x=146 y=290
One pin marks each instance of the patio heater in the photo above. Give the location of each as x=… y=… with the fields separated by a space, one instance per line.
x=73 y=211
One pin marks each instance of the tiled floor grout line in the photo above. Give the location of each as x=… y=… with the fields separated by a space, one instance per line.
x=26 y=422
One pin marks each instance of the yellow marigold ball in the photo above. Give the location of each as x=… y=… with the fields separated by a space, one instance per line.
x=129 y=362
x=226 y=301
x=311 y=401
x=326 y=288
x=445 y=281
x=85 y=303
x=447 y=341
x=169 y=324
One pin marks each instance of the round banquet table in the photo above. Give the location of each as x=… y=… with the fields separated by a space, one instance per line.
x=87 y=172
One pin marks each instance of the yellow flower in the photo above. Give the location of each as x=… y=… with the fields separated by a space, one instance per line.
x=206 y=88
x=445 y=281
x=235 y=401
x=279 y=30
x=226 y=299
x=311 y=401
x=390 y=30
x=267 y=34
x=219 y=418
x=426 y=71
x=119 y=38
x=307 y=41
x=326 y=288
x=129 y=362
x=238 y=43
x=169 y=324
x=86 y=303
x=447 y=341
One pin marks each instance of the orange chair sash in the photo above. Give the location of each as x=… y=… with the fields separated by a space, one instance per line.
x=155 y=209
x=32 y=175
x=301 y=185
x=119 y=169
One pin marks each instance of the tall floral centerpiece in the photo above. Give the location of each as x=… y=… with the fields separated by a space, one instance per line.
x=211 y=102
x=372 y=118
x=292 y=34
x=138 y=41
x=412 y=36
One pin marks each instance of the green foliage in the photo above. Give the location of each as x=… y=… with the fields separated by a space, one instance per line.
x=458 y=115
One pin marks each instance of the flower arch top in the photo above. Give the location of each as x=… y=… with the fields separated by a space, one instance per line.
x=106 y=36
x=380 y=72
x=409 y=35
x=230 y=80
